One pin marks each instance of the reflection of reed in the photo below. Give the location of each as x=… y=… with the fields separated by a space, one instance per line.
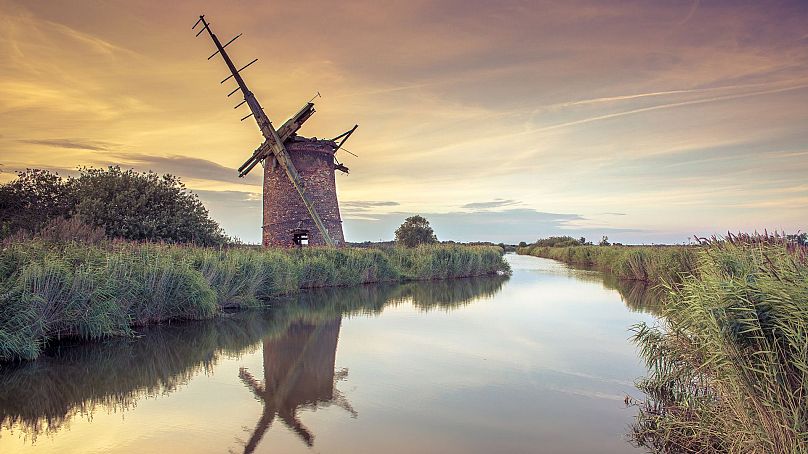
x=40 y=396
x=323 y=304
x=638 y=296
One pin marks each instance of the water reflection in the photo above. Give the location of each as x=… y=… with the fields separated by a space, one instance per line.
x=299 y=335
x=298 y=373
x=39 y=397
x=638 y=296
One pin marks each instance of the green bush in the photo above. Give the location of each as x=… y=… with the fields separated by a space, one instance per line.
x=121 y=203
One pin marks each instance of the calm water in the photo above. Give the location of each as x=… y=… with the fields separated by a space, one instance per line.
x=536 y=363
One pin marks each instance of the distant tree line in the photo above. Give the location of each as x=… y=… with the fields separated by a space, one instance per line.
x=140 y=206
x=559 y=241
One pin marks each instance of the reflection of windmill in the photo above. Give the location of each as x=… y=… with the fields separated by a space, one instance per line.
x=298 y=373
x=292 y=165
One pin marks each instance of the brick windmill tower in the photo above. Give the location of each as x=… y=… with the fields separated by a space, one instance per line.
x=300 y=194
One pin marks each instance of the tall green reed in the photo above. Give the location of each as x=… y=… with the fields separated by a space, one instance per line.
x=49 y=290
x=729 y=366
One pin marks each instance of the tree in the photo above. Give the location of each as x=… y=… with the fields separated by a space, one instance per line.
x=522 y=244
x=414 y=231
x=582 y=240
x=126 y=204
x=143 y=206
x=604 y=241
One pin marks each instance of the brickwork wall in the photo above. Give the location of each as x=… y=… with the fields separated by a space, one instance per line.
x=283 y=208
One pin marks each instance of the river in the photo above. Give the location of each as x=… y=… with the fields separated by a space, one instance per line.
x=538 y=363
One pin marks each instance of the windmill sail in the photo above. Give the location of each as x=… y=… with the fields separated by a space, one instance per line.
x=273 y=141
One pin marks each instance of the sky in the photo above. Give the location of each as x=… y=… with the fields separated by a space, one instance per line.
x=504 y=121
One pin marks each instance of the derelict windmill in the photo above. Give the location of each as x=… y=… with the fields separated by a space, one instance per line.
x=300 y=196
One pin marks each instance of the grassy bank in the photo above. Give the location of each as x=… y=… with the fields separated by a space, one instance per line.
x=729 y=366
x=50 y=290
x=651 y=264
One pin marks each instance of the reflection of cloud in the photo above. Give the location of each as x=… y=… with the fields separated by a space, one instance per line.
x=496 y=203
x=78 y=144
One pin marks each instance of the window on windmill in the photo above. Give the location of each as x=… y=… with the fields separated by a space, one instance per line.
x=300 y=237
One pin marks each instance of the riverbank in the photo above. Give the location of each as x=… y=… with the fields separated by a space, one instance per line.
x=727 y=367
x=53 y=290
x=651 y=264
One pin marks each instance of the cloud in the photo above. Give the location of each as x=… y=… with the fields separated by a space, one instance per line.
x=690 y=13
x=608 y=116
x=62 y=171
x=496 y=203
x=614 y=214
x=78 y=144
x=234 y=199
x=365 y=204
x=238 y=212
x=188 y=167
x=510 y=225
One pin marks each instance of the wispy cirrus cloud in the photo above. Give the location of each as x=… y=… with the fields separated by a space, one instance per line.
x=364 y=204
x=187 y=167
x=509 y=225
x=608 y=116
x=76 y=144
x=496 y=203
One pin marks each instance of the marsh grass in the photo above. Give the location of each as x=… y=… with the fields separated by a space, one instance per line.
x=729 y=366
x=651 y=264
x=50 y=290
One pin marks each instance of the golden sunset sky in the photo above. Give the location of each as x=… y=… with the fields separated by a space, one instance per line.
x=497 y=120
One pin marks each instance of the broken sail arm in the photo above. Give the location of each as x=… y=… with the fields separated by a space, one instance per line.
x=286 y=131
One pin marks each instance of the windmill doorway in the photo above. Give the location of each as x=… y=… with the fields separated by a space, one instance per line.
x=300 y=237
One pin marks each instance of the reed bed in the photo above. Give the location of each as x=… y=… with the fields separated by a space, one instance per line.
x=51 y=290
x=651 y=264
x=729 y=365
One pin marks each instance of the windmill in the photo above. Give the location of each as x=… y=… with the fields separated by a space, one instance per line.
x=300 y=200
